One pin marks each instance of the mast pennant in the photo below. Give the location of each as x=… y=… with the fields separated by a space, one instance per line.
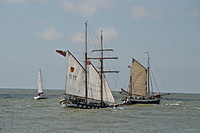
x=63 y=53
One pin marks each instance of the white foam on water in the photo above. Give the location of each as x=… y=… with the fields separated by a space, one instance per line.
x=175 y=103
x=197 y=108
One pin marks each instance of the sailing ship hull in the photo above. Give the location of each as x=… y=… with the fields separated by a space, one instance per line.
x=142 y=101
x=79 y=105
x=67 y=103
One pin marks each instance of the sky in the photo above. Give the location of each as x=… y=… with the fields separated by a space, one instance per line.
x=31 y=31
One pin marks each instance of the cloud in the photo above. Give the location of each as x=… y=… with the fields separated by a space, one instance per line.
x=142 y=12
x=85 y=7
x=23 y=1
x=49 y=34
x=77 y=37
x=109 y=33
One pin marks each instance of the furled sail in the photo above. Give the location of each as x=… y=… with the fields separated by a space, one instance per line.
x=75 y=80
x=94 y=87
x=138 y=84
x=40 y=87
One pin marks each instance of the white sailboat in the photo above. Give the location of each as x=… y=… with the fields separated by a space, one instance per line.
x=86 y=87
x=40 y=87
x=140 y=89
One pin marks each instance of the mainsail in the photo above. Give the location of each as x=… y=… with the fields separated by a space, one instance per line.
x=138 y=84
x=40 y=87
x=75 y=79
x=94 y=91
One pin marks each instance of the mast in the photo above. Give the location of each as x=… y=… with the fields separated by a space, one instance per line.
x=86 y=91
x=101 y=69
x=130 y=86
x=148 y=77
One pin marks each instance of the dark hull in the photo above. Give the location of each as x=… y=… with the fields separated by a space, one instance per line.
x=143 y=101
x=83 y=106
x=68 y=103
x=43 y=98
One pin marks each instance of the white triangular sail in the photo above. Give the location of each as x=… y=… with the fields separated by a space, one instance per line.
x=75 y=79
x=107 y=94
x=94 y=83
x=94 y=87
x=40 y=86
x=138 y=84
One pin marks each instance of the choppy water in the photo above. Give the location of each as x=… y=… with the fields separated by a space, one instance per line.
x=20 y=113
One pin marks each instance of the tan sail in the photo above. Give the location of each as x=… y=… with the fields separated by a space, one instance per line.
x=138 y=84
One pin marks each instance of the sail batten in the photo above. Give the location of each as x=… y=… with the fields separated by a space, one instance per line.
x=138 y=79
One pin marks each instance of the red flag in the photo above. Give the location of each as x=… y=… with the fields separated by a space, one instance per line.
x=63 y=53
x=88 y=63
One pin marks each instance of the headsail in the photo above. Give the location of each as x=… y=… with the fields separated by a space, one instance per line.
x=107 y=95
x=94 y=91
x=138 y=84
x=75 y=79
x=40 y=86
x=94 y=84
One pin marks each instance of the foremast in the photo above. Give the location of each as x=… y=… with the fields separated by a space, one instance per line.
x=86 y=59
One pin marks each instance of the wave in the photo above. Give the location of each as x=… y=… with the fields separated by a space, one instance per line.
x=175 y=103
x=196 y=108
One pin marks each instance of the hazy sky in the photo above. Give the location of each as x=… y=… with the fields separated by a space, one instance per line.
x=31 y=31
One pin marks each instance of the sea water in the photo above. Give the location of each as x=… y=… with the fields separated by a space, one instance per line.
x=20 y=113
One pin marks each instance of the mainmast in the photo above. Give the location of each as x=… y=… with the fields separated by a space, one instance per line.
x=86 y=58
x=101 y=67
x=148 y=77
x=130 y=86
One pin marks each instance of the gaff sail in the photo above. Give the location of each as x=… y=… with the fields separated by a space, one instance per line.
x=138 y=84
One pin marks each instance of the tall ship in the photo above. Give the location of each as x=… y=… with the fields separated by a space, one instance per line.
x=86 y=85
x=140 y=89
